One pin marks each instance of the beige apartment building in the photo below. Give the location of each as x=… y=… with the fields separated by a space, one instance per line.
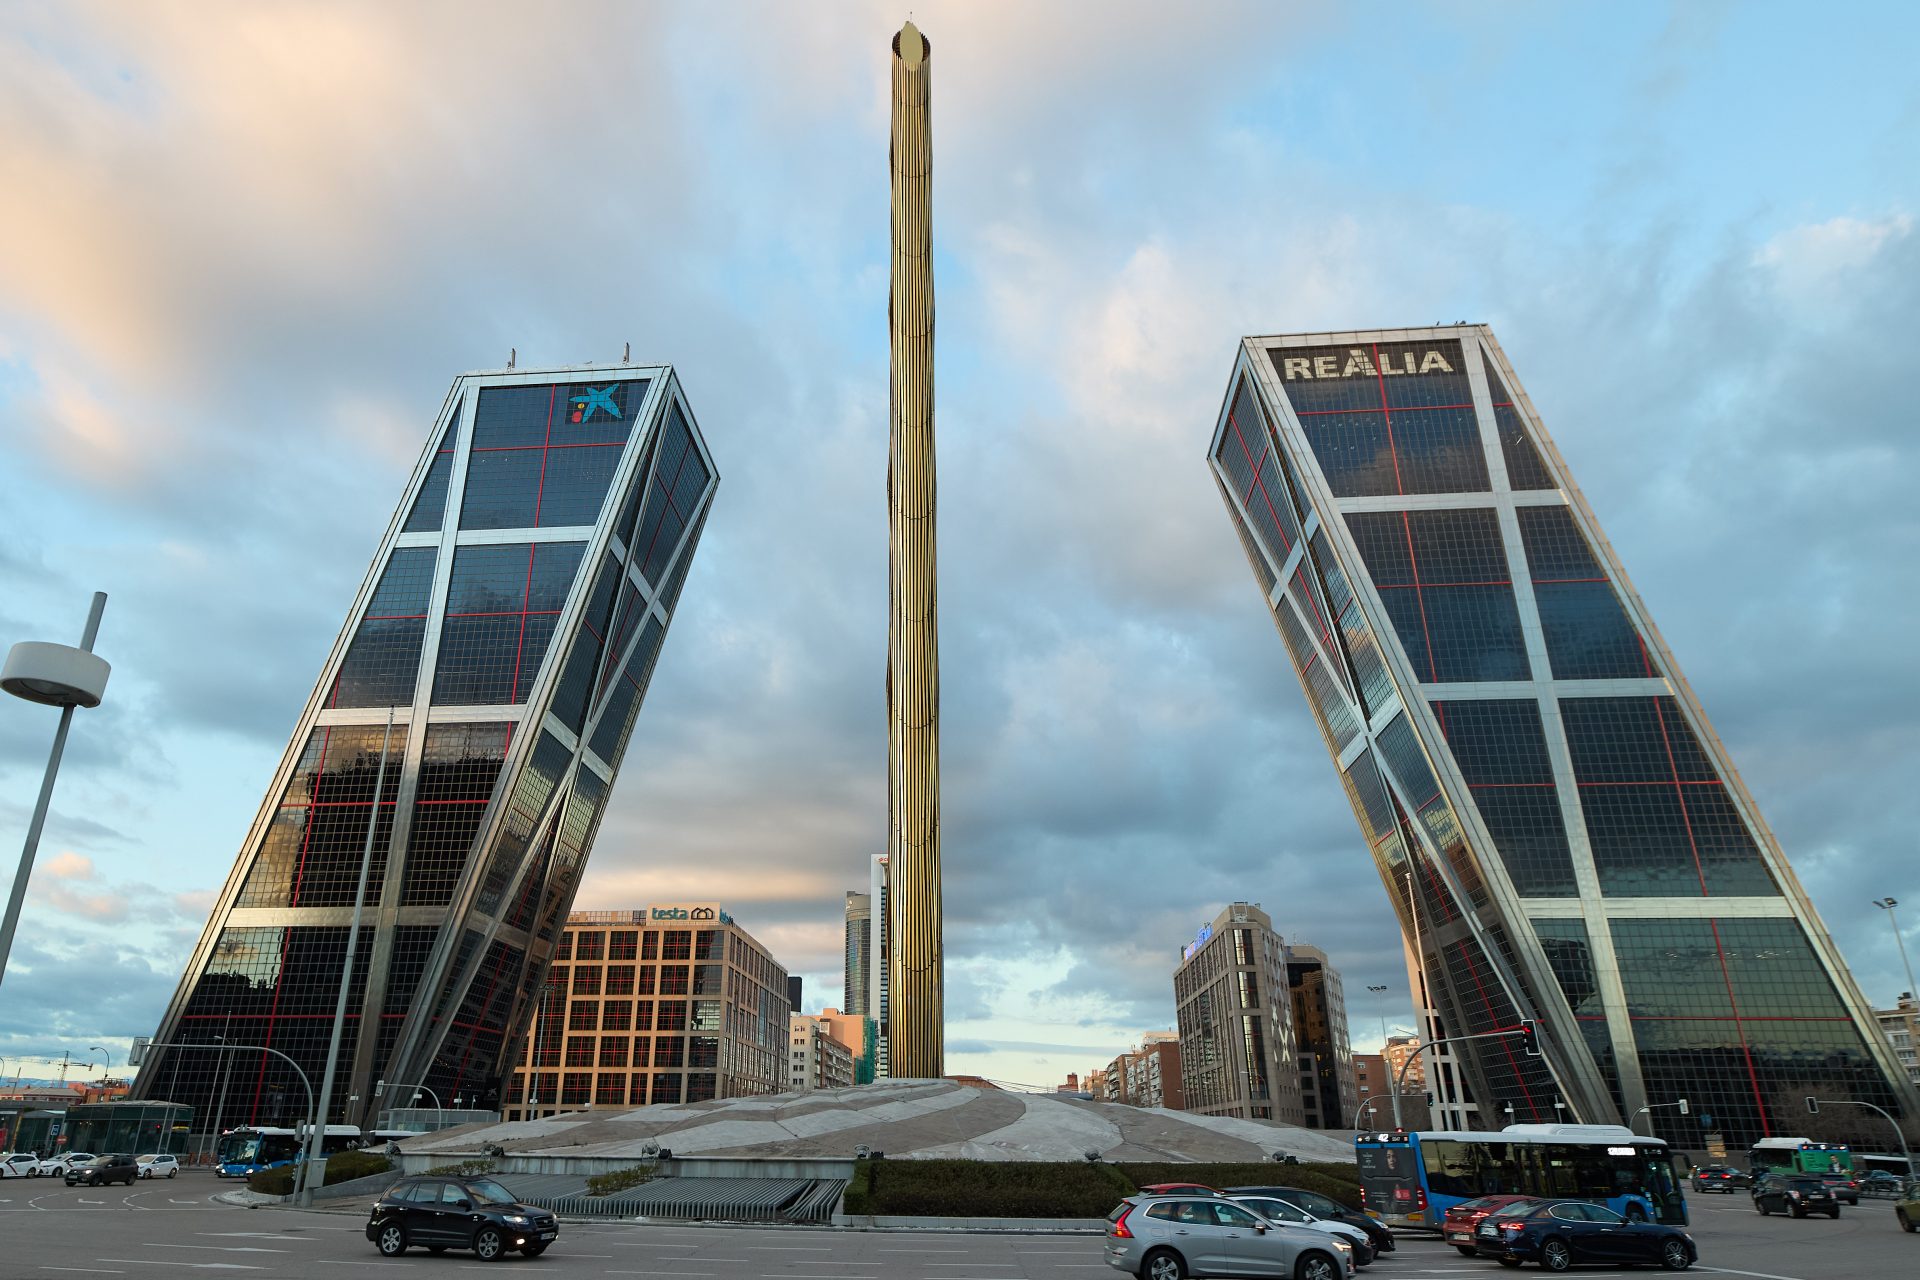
x=672 y=1003
x=816 y=1057
x=1901 y=1026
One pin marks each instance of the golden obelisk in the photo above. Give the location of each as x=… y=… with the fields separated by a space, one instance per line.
x=915 y=1018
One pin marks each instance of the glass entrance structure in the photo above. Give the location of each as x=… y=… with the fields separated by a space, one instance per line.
x=510 y=622
x=1561 y=832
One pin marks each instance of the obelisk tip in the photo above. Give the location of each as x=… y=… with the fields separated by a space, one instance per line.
x=910 y=46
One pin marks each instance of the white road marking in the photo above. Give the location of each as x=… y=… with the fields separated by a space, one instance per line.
x=789 y=1248
x=199 y=1266
x=98 y=1271
x=1729 y=1271
x=218 y=1248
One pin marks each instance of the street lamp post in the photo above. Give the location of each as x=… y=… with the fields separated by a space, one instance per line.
x=54 y=675
x=1887 y=905
x=1814 y=1105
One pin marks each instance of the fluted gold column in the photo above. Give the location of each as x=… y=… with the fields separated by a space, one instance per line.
x=915 y=1018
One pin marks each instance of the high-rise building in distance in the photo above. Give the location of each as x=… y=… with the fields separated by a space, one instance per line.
x=510 y=622
x=1320 y=1032
x=880 y=893
x=1235 y=1016
x=859 y=951
x=1560 y=830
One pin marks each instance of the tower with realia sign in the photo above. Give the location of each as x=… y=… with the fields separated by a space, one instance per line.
x=510 y=623
x=1561 y=832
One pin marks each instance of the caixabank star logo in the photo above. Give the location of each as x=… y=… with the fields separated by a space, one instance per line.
x=598 y=404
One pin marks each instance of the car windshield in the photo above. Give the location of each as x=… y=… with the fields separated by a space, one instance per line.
x=1314 y=1202
x=487 y=1191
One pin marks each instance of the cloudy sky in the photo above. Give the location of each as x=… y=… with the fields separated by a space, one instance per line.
x=244 y=249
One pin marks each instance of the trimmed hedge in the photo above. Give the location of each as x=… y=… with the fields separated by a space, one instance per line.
x=605 y=1184
x=1344 y=1189
x=1058 y=1189
x=344 y=1167
x=986 y=1189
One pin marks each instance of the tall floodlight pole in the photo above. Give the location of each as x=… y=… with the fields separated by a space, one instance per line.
x=54 y=675
x=1887 y=905
x=915 y=1015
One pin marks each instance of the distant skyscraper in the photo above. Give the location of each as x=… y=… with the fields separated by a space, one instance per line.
x=511 y=618
x=880 y=892
x=915 y=1037
x=1238 y=1054
x=1558 y=826
x=859 y=953
x=796 y=992
x=1320 y=1030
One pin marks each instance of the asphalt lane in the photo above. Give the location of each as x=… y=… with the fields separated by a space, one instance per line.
x=176 y=1228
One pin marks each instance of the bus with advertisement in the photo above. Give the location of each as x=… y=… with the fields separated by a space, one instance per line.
x=1412 y=1179
x=1799 y=1155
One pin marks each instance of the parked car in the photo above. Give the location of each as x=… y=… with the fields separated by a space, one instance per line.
x=1170 y=1237
x=1720 y=1177
x=1796 y=1195
x=57 y=1166
x=459 y=1213
x=1845 y=1186
x=1907 y=1211
x=15 y=1164
x=1463 y=1219
x=1275 y=1209
x=158 y=1166
x=1562 y=1233
x=1879 y=1182
x=1379 y=1233
x=1179 y=1189
x=102 y=1170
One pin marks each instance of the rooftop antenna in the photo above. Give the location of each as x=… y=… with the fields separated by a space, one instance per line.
x=626 y=354
x=513 y=354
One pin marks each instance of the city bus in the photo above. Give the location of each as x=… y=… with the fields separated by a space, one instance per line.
x=249 y=1150
x=1412 y=1179
x=1799 y=1155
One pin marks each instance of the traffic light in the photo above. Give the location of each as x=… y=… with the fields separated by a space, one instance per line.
x=1813 y=1106
x=1683 y=1106
x=1530 y=1037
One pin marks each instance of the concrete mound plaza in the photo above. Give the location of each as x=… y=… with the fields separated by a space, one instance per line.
x=907 y=1119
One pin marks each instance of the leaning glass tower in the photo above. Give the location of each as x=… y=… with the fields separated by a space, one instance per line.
x=510 y=622
x=1560 y=830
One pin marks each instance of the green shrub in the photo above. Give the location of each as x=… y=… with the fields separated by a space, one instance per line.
x=859 y=1196
x=344 y=1167
x=985 y=1189
x=272 y=1182
x=465 y=1169
x=605 y=1184
x=1305 y=1177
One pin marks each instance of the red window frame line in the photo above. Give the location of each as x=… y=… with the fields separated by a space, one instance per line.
x=513 y=613
x=529 y=448
x=1547 y=582
x=1490 y=582
x=273 y=1014
x=1393 y=450
x=1721 y=1017
x=1413 y=566
x=1246 y=499
x=1405 y=408
x=1659 y=782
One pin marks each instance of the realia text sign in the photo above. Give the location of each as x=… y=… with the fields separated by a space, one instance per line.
x=1361 y=362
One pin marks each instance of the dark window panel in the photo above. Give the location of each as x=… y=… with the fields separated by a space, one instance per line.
x=459 y=766
x=1588 y=634
x=1501 y=751
x=503 y=488
x=1330 y=709
x=678 y=577
x=1632 y=740
x=1526 y=469
x=1379 y=425
x=430 y=507
x=1443 y=578
x=311 y=854
x=575 y=485
x=513 y=417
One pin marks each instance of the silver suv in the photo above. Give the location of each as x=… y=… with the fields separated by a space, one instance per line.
x=1170 y=1237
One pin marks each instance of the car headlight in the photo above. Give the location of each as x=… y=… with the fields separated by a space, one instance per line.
x=516 y=1219
x=1342 y=1244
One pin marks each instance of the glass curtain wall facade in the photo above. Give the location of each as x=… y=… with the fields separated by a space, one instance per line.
x=511 y=621
x=1558 y=826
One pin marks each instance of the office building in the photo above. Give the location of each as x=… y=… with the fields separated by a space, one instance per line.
x=796 y=992
x=879 y=984
x=509 y=624
x=673 y=1003
x=1320 y=1032
x=1402 y=1053
x=1561 y=832
x=1372 y=1081
x=1901 y=1027
x=817 y=1059
x=1238 y=1055
x=859 y=953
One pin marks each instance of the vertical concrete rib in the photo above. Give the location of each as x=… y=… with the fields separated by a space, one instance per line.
x=913 y=647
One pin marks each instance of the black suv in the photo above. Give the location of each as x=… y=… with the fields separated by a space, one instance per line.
x=1326 y=1207
x=459 y=1213
x=104 y=1169
x=1797 y=1195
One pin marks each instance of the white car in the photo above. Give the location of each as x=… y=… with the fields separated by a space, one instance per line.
x=57 y=1166
x=16 y=1164
x=157 y=1166
x=1274 y=1209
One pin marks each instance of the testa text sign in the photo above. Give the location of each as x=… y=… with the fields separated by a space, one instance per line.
x=1359 y=362
x=701 y=913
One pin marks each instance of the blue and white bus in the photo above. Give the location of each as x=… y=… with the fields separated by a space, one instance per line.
x=1412 y=1179
x=249 y=1150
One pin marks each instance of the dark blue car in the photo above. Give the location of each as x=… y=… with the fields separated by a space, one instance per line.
x=1559 y=1234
